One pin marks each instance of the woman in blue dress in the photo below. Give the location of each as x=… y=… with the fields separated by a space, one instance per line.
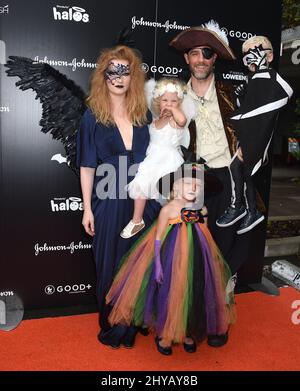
x=112 y=140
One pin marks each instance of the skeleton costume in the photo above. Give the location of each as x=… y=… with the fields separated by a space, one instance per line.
x=254 y=123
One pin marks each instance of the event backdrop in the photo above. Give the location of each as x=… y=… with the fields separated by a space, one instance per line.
x=45 y=255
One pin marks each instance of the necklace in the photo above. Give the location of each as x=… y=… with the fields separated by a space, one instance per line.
x=201 y=99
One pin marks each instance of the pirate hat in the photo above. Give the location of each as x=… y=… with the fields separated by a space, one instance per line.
x=208 y=34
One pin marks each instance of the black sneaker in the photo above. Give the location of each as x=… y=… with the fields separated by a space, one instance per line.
x=250 y=221
x=231 y=216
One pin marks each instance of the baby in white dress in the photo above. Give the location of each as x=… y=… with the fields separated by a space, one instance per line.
x=172 y=111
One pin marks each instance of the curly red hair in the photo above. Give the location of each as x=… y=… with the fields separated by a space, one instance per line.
x=99 y=99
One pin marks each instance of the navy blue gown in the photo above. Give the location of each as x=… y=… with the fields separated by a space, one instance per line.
x=98 y=146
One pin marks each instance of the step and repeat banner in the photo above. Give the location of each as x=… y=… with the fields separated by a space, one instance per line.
x=46 y=257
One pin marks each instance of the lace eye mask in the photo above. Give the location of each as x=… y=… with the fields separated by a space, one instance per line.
x=116 y=70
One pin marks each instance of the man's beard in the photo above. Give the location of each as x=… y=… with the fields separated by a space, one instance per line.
x=202 y=75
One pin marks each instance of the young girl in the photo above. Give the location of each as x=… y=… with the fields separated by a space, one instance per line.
x=172 y=111
x=174 y=278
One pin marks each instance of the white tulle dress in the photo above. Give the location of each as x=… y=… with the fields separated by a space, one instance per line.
x=163 y=156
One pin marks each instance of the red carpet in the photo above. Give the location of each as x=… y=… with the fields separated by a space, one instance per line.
x=264 y=338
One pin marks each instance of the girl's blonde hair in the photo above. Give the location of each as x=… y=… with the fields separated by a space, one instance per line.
x=160 y=85
x=99 y=99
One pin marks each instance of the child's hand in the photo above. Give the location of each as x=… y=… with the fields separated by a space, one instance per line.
x=158 y=272
x=166 y=113
x=177 y=115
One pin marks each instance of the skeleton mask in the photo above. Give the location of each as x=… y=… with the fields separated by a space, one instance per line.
x=257 y=57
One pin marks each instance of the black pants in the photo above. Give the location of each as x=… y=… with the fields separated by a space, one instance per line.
x=243 y=190
x=233 y=247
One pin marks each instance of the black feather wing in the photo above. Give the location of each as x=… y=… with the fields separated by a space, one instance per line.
x=63 y=102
